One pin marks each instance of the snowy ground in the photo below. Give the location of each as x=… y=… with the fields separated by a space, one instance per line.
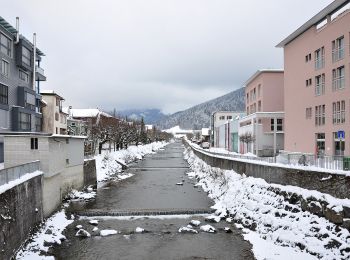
x=50 y=233
x=107 y=165
x=275 y=228
x=2 y=166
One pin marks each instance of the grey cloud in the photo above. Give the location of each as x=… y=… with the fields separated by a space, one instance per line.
x=169 y=54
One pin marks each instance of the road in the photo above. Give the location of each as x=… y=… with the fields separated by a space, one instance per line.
x=152 y=189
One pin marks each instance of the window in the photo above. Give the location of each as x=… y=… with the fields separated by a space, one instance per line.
x=24 y=76
x=26 y=56
x=339 y=144
x=5 y=45
x=259 y=106
x=29 y=101
x=338 y=49
x=247 y=97
x=338 y=81
x=320 y=85
x=319 y=58
x=3 y=94
x=308 y=82
x=339 y=112
x=5 y=68
x=229 y=117
x=38 y=124
x=308 y=113
x=24 y=121
x=308 y=57
x=259 y=90
x=279 y=124
x=57 y=117
x=320 y=115
x=34 y=143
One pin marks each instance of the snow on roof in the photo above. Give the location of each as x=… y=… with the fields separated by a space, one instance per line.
x=85 y=112
x=50 y=92
x=205 y=131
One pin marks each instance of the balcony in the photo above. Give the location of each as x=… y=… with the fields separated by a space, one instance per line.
x=40 y=74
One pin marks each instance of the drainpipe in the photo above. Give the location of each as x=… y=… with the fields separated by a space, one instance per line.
x=17 y=29
x=34 y=57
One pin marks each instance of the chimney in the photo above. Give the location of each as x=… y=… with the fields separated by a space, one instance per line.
x=17 y=29
x=34 y=59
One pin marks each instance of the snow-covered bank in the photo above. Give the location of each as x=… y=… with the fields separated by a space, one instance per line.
x=273 y=222
x=50 y=233
x=108 y=163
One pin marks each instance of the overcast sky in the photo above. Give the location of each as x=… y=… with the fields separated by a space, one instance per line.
x=167 y=54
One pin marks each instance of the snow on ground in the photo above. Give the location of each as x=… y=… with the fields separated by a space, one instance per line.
x=108 y=232
x=273 y=222
x=50 y=233
x=81 y=195
x=2 y=166
x=107 y=165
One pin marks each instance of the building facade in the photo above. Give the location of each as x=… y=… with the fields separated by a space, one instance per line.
x=20 y=77
x=54 y=119
x=262 y=131
x=217 y=119
x=317 y=83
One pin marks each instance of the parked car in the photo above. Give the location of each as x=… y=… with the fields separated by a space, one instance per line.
x=205 y=145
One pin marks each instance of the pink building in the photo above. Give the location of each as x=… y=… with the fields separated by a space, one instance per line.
x=316 y=83
x=264 y=96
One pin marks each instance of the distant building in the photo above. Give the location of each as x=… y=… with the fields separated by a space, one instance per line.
x=20 y=77
x=54 y=119
x=262 y=131
x=76 y=127
x=217 y=119
x=317 y=83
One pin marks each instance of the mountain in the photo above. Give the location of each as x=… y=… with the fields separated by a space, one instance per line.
x=150 y=116
x=198 y=116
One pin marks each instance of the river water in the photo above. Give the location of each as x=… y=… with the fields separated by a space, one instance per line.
x=152 y=188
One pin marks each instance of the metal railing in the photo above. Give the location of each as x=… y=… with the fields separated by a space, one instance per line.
x=16 y=172
x=294 y=159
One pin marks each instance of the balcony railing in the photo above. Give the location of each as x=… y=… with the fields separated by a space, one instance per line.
x=16 y=172
x=40 y=73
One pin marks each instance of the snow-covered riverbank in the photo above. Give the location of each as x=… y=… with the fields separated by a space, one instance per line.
x=276 y=228
x=107 y=165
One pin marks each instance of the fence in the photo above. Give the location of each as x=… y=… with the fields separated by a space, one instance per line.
x=16 y=172
x=296 y=159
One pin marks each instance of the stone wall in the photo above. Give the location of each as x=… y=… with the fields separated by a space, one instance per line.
x=333 y=184
x=20 y=210
x=90 y=177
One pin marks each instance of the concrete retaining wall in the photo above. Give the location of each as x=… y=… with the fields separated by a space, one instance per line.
x=20 y=210
x=90 y=177
x=337 y=186
x=56 y=187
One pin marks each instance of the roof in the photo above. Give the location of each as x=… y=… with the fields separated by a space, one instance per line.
x=328 y=10
x=50 y=93
x=259 y=72
x=85 y=112
x=9 y=28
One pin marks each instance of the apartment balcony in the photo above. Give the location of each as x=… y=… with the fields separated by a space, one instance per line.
x=40 y=74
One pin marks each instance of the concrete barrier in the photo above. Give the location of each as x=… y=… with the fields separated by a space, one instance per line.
x=334 y=184
x=90 y=177
x=20 y=211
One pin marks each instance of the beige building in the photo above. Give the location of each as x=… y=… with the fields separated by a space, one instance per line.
x=316 y=82
x=262 y=131
x=61 y=159
x=54 y=119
